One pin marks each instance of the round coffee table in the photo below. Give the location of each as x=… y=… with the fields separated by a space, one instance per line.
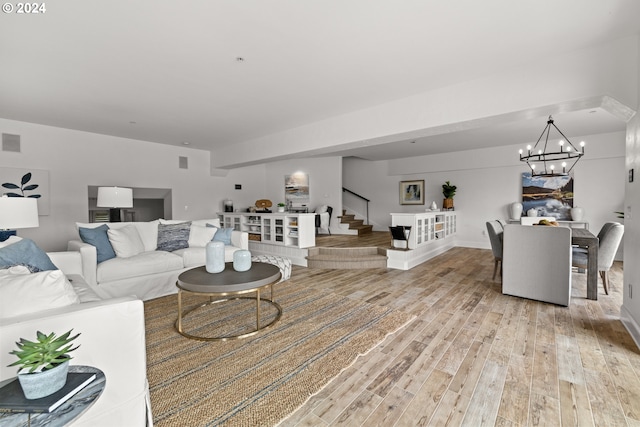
x=228 y=285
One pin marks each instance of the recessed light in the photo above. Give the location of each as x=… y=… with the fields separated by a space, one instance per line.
x=239 y=59
x=185 y=143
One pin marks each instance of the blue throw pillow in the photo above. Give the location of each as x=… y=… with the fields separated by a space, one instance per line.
x=223 y=235
x=98 y=237
x=27 y=253
x=172 y=237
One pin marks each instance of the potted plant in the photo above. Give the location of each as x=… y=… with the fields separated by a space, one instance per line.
x=448 y=191
x=43 y=363
x=281 y=207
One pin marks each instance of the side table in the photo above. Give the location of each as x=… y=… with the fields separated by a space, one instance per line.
x=65 y=413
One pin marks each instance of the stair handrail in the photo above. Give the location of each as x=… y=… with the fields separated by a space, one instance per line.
x=346 y=190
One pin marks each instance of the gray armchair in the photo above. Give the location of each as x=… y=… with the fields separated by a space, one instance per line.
x=496 y=230
x=609 y=237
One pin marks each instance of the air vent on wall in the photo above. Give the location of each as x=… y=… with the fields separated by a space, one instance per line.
x=10 y=142
x=183 y=162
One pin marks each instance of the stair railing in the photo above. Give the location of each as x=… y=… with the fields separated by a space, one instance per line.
x=346 y=190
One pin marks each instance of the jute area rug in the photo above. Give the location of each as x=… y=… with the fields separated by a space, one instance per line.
x=260 y=380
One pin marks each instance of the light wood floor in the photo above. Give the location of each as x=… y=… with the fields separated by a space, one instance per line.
x=473 y=356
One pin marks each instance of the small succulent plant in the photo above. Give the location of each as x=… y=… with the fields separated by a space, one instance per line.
x=44 y=353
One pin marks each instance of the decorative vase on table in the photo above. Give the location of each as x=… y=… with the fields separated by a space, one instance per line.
x=434 y=207
x=241 y=260
x=532 y=212
x=515 y=210
x=214 y=262
x=577 y=213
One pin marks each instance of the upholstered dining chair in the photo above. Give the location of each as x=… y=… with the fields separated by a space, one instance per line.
x=496 y=230
x=609 y=237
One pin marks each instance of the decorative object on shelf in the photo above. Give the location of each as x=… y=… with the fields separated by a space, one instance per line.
x=577 y=213
x=448 y=191
x=544 y=161
x=263 y=205
x=17 y=212
x=115 y=198
x=532 y=212
x=228 y=205
x=241 y=260
x=281 y=207
x=412 y=192
x=43 y=363
x=515 y=210
x=547 y=223
x=214 y=257
x=434 y=206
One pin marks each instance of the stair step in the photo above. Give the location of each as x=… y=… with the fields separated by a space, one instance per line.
x=347 y=258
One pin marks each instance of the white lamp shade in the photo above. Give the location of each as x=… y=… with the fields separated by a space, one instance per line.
x=115 y=197
x=18 y=212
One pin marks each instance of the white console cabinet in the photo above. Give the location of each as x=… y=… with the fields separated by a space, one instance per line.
x=283 y=229
x=431 y=234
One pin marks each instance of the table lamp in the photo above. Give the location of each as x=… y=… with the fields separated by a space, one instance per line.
x=115 y=198
x=17 y=212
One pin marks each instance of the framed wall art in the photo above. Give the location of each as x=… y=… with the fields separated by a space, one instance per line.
x=412 y=192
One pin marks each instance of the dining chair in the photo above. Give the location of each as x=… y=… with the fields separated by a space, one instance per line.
x=609 y=237
x=496 y=229
x=537 y=263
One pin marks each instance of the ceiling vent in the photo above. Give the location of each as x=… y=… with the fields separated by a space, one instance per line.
x=10 y=142
x=183 y=162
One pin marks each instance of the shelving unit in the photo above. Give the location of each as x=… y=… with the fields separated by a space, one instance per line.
x=431 y=235
x=288 y=229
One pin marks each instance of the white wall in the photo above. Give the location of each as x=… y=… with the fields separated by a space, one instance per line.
x=488 y=181
x=77 y=159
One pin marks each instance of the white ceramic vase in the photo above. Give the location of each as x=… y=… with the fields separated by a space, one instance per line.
x=532 y=212
x=515 y=210
x=577 y=213
x=214 y=257
x=241 y=260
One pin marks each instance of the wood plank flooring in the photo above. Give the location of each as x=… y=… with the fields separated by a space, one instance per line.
x=473 y=356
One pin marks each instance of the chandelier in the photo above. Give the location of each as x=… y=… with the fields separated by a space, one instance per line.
x=545 y=161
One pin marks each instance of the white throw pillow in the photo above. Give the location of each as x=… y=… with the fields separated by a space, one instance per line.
x=22 y=292
x=126 y=241
x=148 y=234
x=199 y=236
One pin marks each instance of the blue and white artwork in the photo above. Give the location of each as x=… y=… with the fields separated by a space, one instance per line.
x=549 y=195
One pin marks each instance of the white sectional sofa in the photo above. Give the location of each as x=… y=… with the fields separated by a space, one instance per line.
x=147 y=272
x=112 y=338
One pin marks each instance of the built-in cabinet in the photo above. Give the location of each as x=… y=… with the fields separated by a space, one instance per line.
x=426 y=227
x=287 y=229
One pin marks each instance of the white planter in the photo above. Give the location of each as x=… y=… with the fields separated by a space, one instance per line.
x=42 y=384
x=532 y=212
x=214 y=257
x=515 y=210
x=577 y=213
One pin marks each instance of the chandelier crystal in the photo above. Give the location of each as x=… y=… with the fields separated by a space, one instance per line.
x=544 y=160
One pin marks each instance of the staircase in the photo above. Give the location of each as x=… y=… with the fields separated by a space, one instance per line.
x=347 y=258
x=355 y=224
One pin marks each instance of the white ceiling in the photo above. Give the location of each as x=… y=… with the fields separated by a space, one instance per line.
x=168 y=72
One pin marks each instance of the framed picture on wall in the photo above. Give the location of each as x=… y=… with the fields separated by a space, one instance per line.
x=412 y=192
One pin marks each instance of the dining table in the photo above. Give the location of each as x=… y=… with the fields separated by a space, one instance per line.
x=586 y=239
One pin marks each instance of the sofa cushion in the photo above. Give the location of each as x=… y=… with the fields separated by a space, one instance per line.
x=203 y=222
x=195 y=257
x=223 y=235
x=25 y=252
x=98 y=237
x=172 y=237
x=138 y=265
x=126 y=241
x=200 y=235
x=148 y=234
x=22 y=292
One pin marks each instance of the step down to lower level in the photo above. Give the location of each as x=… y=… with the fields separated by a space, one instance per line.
x=347 y=258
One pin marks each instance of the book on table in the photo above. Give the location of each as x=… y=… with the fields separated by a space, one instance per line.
x=12 y=397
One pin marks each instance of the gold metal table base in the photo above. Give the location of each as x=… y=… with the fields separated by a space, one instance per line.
x=259 y=327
